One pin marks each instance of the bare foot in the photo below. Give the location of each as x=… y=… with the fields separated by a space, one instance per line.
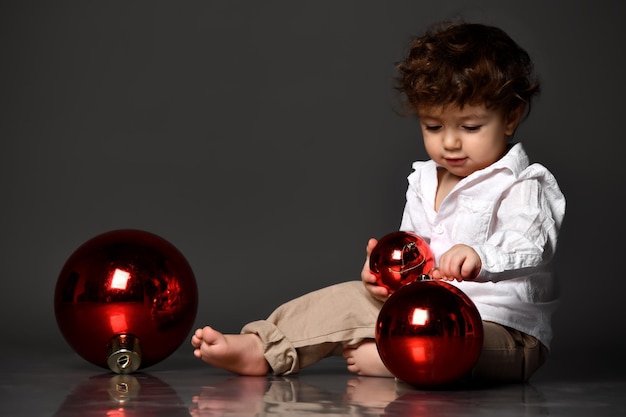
x=238 y=353
x=363 y=359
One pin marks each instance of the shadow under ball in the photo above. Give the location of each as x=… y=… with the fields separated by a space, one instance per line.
x=125 y=299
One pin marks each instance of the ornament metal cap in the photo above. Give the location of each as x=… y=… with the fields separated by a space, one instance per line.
x=124 y=354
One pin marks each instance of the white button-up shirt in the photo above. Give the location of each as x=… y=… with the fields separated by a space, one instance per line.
x=510 y=214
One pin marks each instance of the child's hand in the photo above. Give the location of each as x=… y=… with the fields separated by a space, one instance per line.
x=369 y=279
x=460 y=262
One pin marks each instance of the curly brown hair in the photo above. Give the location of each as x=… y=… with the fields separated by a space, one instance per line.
x=467 y=64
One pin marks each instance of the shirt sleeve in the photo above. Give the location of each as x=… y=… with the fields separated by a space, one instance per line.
x=525 y=228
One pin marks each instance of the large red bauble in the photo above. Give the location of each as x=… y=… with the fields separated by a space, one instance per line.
x=399 y=258
x=429 y=333
x=125 y=299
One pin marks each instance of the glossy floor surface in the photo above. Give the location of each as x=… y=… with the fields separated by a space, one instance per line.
x=64 y=385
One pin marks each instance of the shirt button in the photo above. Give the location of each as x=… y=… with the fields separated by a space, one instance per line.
x=439 y=229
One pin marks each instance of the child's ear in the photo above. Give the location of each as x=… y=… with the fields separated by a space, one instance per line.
x=513 y=119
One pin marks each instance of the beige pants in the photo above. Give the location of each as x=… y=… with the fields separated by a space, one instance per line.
x=316 y=325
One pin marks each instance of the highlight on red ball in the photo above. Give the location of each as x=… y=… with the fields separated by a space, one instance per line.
x=400 y=258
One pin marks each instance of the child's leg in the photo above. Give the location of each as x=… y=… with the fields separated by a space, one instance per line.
x=508 y=355
x=316 y=325
x=297 y=334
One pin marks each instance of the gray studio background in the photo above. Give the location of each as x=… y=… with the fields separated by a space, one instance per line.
x=261 y=138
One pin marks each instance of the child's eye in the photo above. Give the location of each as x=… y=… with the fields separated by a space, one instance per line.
x=472 y=128
x=432 y=128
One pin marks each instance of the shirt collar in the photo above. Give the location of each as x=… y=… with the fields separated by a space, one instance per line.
x=515 y=160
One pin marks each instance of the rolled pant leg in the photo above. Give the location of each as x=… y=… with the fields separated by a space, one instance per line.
x=309 y=328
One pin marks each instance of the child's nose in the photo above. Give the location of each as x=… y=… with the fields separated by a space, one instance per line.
x=451 y=140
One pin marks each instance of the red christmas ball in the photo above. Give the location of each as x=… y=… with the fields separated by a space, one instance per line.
x=429 y=333
x=125 y=300
x=399 y=258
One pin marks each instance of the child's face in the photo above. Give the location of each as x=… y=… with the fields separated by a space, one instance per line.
x=465 y=140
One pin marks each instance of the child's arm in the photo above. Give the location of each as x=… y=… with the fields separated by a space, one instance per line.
x=525 y=227
x=459 y=263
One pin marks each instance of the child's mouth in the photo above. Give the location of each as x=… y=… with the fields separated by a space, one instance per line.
x=456 y=161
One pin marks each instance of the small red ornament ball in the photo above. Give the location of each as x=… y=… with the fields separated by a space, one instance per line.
x=125 y=299
x=429 y=333
x=399 y=258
